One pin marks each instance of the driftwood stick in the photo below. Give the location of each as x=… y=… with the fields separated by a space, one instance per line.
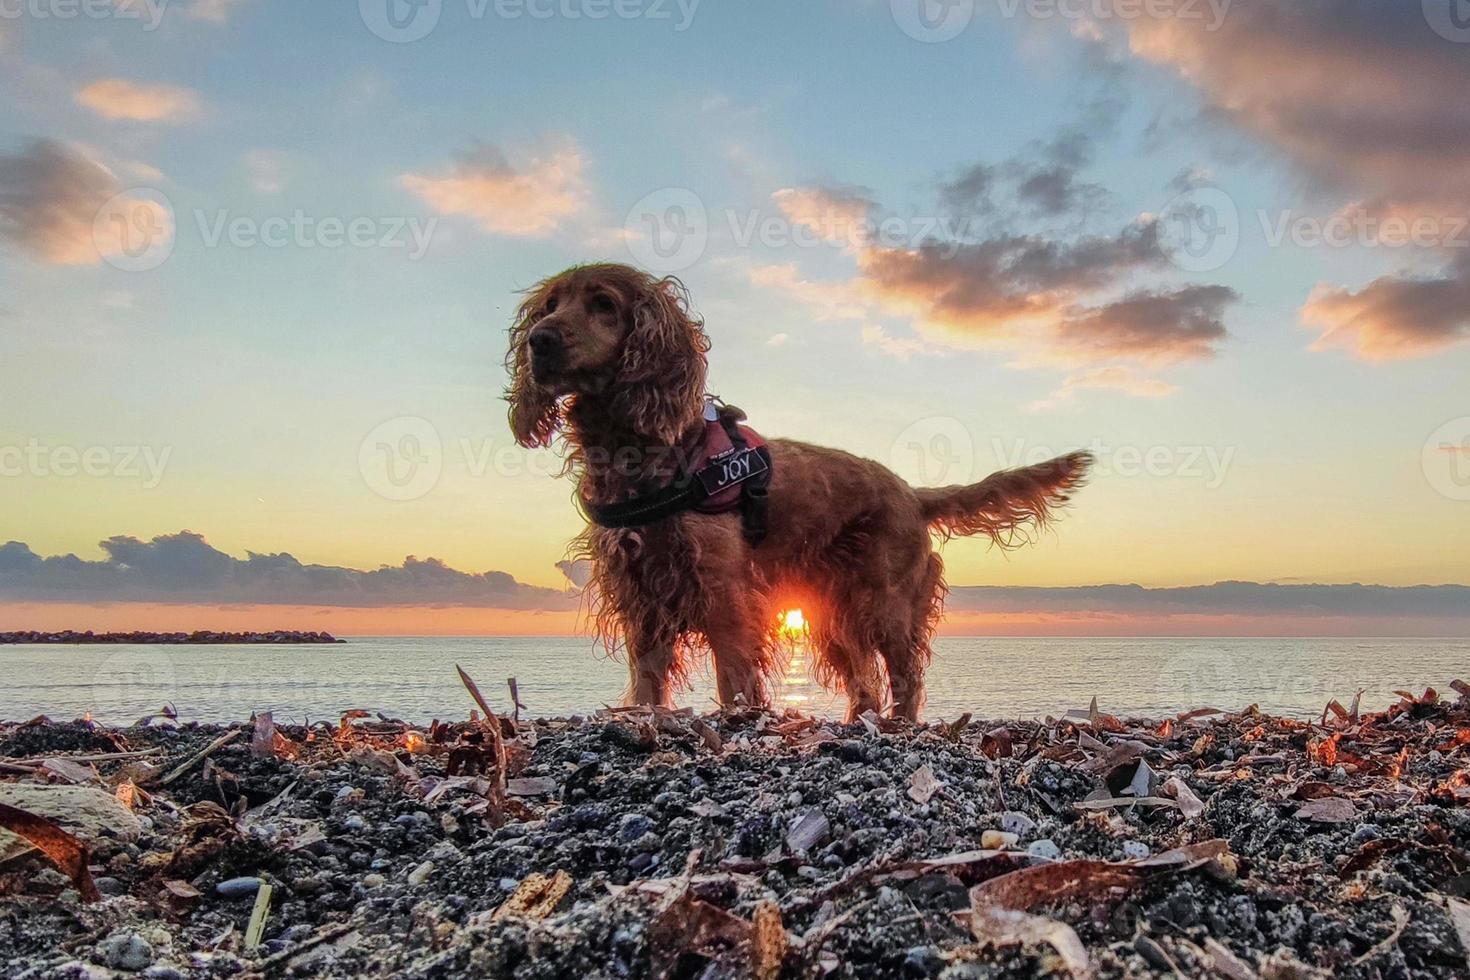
x=200 y=756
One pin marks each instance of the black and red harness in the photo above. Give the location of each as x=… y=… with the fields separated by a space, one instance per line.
x=730 y=469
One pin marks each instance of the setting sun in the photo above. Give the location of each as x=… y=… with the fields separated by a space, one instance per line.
x=792 y=621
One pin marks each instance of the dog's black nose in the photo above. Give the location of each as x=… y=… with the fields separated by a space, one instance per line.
x=545 y=344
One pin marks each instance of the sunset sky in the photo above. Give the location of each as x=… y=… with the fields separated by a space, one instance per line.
x=257 y=260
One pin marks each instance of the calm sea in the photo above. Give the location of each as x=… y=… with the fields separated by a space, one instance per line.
x=414 y=678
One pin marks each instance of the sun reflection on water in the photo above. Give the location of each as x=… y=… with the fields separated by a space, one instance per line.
x=795 y=687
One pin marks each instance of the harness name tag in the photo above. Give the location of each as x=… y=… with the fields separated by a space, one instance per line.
x=730 y=470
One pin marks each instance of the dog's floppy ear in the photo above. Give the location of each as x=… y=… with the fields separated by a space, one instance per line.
x=535 y=413
x=662 y=372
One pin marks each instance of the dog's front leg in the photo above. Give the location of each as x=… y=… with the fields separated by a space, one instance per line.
x=740 y=661
x=649 y=666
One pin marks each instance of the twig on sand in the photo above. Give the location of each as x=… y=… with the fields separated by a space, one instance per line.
x=199 y=756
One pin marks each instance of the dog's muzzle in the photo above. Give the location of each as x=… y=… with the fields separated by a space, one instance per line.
x=548 y=353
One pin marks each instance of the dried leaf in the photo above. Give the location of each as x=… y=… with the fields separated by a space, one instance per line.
x=68 y=771
x=1460 y=915
x=1007 y=927
x=1226 y=963
x=1058 y=881
x=181 y=889
x=1328 y=809
x=809 y=830
x=63 y=850
x=262 y=742
x=536 y=897
x=768 y=941
x=531 y=786
x=923 y=785
x=1189 y=804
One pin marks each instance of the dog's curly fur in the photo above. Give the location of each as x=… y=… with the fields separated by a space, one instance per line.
x=618 y=370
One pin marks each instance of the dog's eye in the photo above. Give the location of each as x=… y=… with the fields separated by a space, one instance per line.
x=550 y=306
x=602 y=303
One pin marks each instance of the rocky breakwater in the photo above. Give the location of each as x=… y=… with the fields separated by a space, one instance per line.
x=148 y=636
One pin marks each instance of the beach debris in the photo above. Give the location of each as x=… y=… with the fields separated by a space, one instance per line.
x=66 y=852
x=768 y=941
x=803 y=850
x=1327 y=809
x=173 y=774
x=807 y=831
x=923 y=785
x=258 y=915
x=536 y=897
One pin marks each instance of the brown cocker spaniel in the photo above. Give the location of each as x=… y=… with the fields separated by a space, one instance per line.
x=611 y=359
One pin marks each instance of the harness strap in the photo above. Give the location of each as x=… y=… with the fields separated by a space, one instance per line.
x=691 y=489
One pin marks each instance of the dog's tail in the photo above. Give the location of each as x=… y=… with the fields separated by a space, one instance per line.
x=1008 y=504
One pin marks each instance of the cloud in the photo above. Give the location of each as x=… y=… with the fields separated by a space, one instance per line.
x=50 y=196
x=1364 y=98
x=1393 y=317
x=184 y=568
x=1110 y=378
x=824 y=300
x=118 y=98
x=900 y=348
x=528 y=203
x=837 y=214
x=212 y=11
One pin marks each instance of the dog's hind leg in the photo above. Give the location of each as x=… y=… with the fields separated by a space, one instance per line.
x=906 y=646
x=856 y=669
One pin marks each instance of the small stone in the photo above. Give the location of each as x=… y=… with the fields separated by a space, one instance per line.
x=163 y=971
x=923 y=961
x=1016 y=822
x=296 y=933
x=419 y=875
x=237 y=887
x=640 y=862
x=634 y=826
x=354 y=823
x=1135 y=850
x=373 y=881
x=1046 y=848
x=126 y=951
x=110 y=886
x=998 y=840
x=1361 y=836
